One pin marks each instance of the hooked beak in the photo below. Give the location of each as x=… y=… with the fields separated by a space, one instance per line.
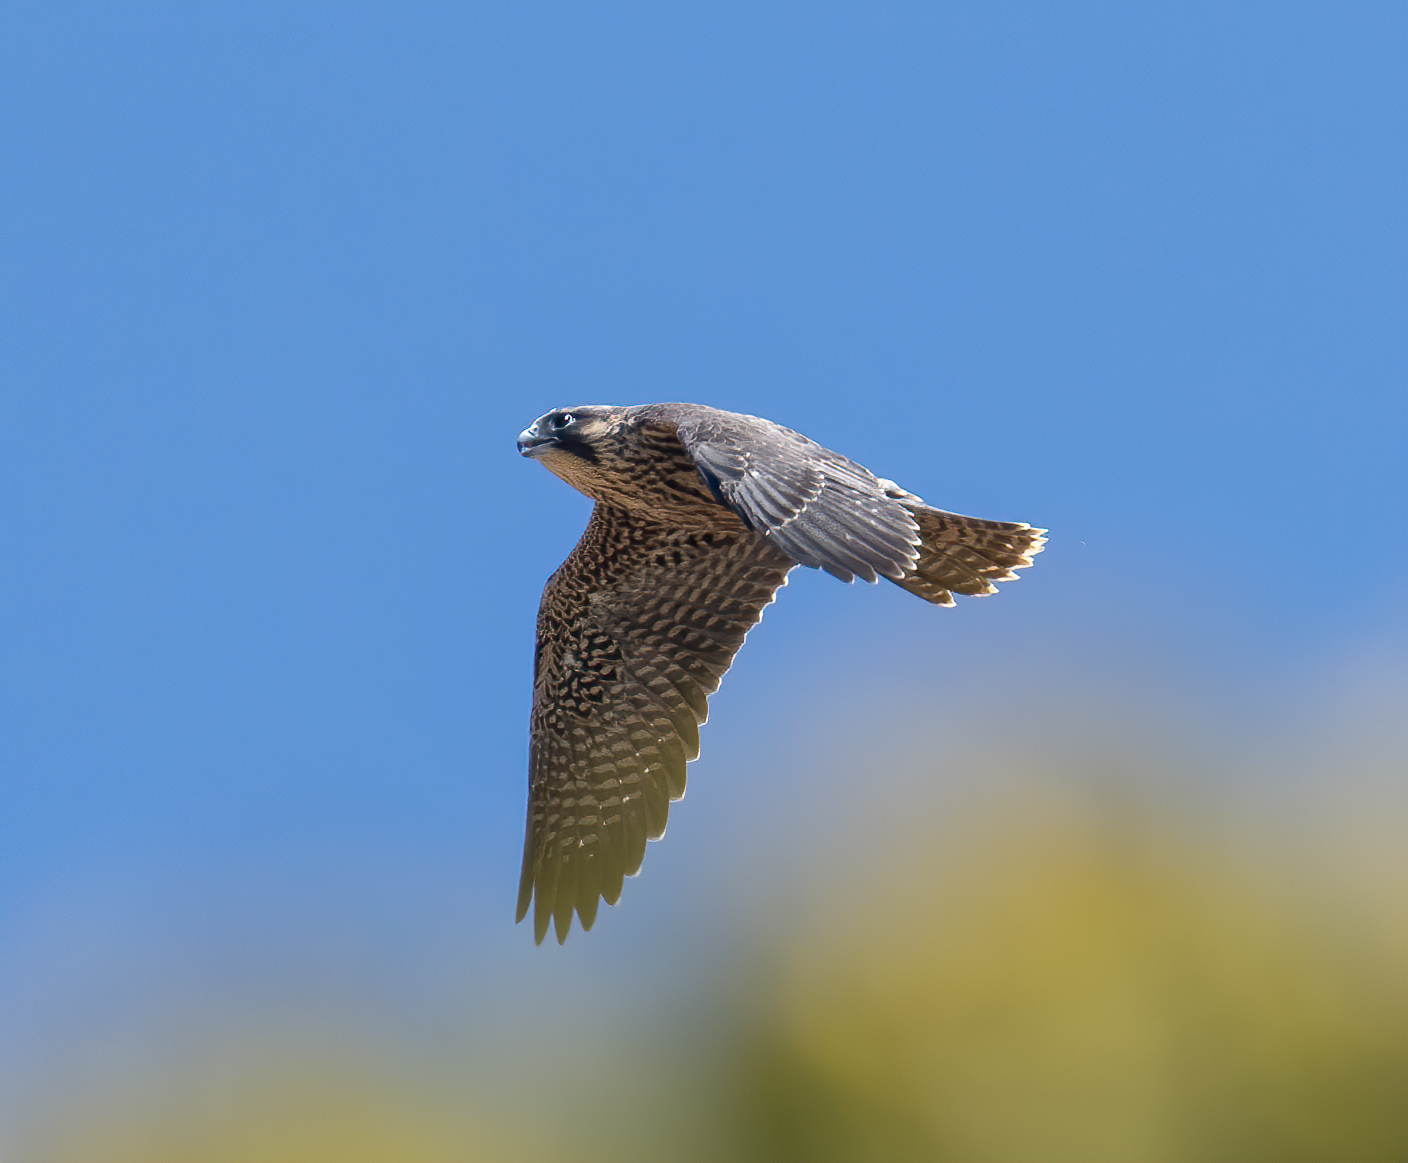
x=530 y=443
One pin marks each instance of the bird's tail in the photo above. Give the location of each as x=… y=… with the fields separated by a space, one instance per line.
x=965 y=555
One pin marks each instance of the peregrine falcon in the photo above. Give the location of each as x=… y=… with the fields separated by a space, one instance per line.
x=700 y=515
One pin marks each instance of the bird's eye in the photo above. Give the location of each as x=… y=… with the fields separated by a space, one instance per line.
x=563 y=420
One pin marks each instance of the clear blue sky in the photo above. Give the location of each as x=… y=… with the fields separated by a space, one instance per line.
x=283 y=281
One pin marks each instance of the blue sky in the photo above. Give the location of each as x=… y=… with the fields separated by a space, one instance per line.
x=284 y=281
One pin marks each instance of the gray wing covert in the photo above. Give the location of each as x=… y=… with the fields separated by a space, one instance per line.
x=635 y=631
x=820 y=508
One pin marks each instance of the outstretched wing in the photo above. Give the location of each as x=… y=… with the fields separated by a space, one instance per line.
x=634 y=633
x=817 y=506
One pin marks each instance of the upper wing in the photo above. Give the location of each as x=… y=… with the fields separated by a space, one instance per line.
x=817 y=506
x=634 y=633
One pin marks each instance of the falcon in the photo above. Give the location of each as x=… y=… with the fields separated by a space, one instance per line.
x=700 y=515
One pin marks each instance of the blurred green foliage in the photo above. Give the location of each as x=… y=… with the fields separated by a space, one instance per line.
x=1061 y=973
x=1065 y=988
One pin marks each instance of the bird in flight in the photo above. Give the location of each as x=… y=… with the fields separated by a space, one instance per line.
x=700 y=515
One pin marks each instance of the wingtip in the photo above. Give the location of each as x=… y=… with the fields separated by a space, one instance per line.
x=561 y=924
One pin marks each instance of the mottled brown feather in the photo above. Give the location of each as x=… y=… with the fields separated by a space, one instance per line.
x=634 y=632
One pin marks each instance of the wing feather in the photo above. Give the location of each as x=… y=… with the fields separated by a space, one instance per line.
x=634 y=633
x=818 y=507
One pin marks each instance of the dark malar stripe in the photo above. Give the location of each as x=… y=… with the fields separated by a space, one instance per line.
x=578 y=448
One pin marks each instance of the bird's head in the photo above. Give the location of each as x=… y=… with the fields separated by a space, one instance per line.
x=569 y=431
x=581 y=445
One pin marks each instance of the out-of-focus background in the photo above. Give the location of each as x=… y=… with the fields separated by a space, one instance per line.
x=1108 y=867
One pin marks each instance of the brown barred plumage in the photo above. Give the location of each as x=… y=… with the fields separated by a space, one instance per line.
x=700 y=516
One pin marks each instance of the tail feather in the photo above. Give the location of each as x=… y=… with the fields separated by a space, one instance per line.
x=965 y=555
